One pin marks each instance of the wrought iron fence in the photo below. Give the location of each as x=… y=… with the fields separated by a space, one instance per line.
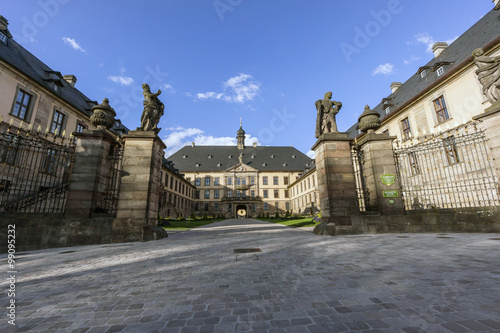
x=450 y=169
x=35 y=169
x=358 y=161
x=115 y=160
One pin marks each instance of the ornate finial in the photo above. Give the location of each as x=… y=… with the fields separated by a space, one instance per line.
x=103 y=115
x=241 y=122
x=369 y=120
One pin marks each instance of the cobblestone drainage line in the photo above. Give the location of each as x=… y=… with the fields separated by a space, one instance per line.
x=247 y=250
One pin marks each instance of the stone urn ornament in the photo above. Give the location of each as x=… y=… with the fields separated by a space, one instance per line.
x=369 y=121
x=103 y=115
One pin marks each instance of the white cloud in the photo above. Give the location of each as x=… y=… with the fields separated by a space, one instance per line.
x=72 y=42
x=168 y=88
x=412 y=59
x=237 y=89
x=123 y=80
x=384 y=69
x=180 y=136
x=311 y=154
x=429 y=41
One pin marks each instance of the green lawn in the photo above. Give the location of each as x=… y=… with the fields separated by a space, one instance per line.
x=189 y=224
x=295 y=223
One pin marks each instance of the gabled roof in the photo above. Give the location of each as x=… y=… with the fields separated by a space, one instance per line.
x=485 y=33
x=220 y=158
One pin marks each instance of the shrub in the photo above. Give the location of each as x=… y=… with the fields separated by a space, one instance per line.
x=204 y=216
x=277 y=215
x=287 y=215
x=267 y=215
x=193 y=217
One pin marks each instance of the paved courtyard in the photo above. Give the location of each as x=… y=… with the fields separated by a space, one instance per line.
x=194 y=282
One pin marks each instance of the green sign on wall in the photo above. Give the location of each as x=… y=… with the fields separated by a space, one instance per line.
x=388 y=179
x=391 y=194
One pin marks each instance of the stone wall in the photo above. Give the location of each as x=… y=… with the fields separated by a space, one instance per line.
x=41 y=231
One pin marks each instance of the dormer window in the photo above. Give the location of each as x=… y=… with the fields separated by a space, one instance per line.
x=284 y=164
x=3 y=38
x=272 y=155
x=423 y=73
x=387 y=110
x=219 y=165
x=294 y=156
x=197 y=165
x=210 y=156
x=229 y=156
x=264 y=164
x=184 y=156
x=253 y=156
x=440 y=71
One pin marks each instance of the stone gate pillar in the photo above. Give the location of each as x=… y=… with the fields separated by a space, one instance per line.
x=490 y=122
x=89 y=174
x=140 y=188
x=336 y=185
x=380 y=174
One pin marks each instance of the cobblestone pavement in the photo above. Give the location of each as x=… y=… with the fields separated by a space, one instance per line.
x=300 y=282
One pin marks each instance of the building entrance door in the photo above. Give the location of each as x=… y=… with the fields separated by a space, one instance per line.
x=241 y=211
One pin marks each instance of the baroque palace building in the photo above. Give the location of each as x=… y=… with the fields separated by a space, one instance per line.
x=240 y=180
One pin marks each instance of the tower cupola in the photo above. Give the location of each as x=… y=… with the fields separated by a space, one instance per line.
x=240 y=137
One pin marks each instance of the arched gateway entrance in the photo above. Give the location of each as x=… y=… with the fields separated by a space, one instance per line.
x=241 y=211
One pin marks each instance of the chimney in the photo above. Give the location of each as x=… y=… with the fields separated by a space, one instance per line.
x=438 y=47
x=254 y=144
x=71 y=79
x=192 y=144
x=497 y=4
x=395 y=86
x=4 y=26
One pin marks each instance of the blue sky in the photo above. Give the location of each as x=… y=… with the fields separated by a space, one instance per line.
x=266 y=61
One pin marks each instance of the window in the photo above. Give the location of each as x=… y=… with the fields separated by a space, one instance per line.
x=252 y=193
x=238 y=180
x=238 y=194
x=207 y=194
x=207 y=205
x=266 y=194
x=285 y=180
x=252 y=180
x=176 y=184
x=171 y=182
x=207 y=181
x=264 y=180
x=414 y=167
x=266 y=206
x=253 y=208
x=216 y=181
x=423 y=73
x=387 y=110
x=197 y=195
x=197 y=181
x=216 y=194
x=243 y=180
x=188 y=179
x=451 y=152
x=216 y=206
x=277 y=205
x=440 y=71
x=166 y=180
x=229 y=180
x=286 y=194
x=244 y=194
x=229 y=194
x=22 y=105
x=3 y=38
x=276 y=193
x=441 y=110
x=405 y=123
x=229 y=207
x=275 y=180
x=57 y=125
x=196 y=206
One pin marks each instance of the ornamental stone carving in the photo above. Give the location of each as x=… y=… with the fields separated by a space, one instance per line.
x=326 y=111
x=153 y=110
x=488 y=74
x=103 y=115
x=369 y=120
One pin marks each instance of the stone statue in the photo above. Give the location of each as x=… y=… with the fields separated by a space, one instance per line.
x=488 y=73
x=241 y=158
x=153 y=110
x=327 y=109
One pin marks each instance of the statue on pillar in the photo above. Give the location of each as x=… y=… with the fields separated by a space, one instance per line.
x=327 y=109
x=488 y=74
x=153 y=110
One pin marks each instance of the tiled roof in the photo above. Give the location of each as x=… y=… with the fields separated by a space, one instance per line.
x=220 y=158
